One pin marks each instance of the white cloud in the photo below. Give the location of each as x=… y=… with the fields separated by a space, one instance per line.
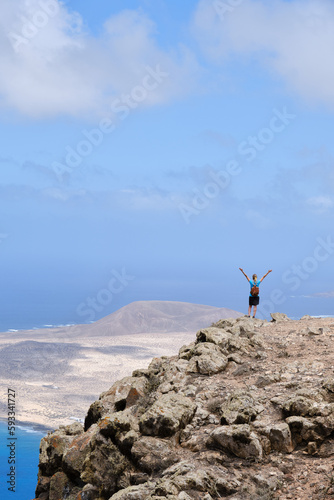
x=294 y=40
x=320 y=204
x=326 y=295
x=50 y=65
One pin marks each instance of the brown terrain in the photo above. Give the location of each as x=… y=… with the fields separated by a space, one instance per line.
x=58 y=372
x=245 y=411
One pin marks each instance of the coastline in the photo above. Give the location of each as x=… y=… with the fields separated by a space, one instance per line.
x=29 y=426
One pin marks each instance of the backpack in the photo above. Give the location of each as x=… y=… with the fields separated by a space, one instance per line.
x=255 y=291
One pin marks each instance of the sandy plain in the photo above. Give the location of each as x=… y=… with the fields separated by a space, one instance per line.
x=57 y=375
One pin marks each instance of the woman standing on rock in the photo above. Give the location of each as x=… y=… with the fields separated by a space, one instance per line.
x=254 y=298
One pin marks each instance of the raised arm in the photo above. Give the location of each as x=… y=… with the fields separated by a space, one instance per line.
x=244 y=274
x=270 y=270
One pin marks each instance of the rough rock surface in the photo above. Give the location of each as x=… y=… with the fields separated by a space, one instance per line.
x=246 y=411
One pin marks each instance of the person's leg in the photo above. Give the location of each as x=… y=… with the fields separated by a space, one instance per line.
x=254 y=311
x=249 y=310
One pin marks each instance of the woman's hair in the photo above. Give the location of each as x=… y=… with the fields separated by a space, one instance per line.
x=254 y=277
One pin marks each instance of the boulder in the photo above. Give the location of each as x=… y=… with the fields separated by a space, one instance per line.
x=227 y=341
x=186 y=351
x=52 y=449
x=225 y=323
x=207 y=358
x=140 y=492
x=302 y=429
x=153 y=454
x=104 y=466
x=300 y=406
x=118 y=424
x=237 y=439
x=170 y=413
x=240 y=408
x=280 y=437
x=278 y=317
x=123 y=394
x=313 y=331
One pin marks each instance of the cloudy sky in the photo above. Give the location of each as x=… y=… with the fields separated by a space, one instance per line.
x=151 y=148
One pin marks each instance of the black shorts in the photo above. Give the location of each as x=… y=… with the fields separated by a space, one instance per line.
x=254 y=301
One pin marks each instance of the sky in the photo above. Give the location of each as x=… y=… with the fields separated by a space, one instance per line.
x=151 y=148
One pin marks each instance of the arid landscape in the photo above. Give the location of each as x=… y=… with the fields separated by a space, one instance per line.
x=57 y=373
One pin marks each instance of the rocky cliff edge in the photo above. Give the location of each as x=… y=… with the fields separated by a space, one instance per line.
x=246 y=411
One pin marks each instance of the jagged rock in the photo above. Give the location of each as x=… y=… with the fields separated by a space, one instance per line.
x=302 y=429
x=43 y=485
x=325 y=424
x=58 y=484
x=52 y=448
x=207 y=358
x=313 y=331
x=277 y=317
x=123 y=394
x=239 y=409
x=170 y=413
x=225 y=340
x=193 y=440
x=237 y=439
x=153 y=454
x=280 y=437
x=224 y=323
x=73 y=429
x=118 y=425
x=328 y=384
x=186 y=351
x=76 y=453
x=297 y=406
x=159 y=433
x=186 y=476
x=140 y=492
x=214 y=335
x=104 y=465
x=235 y=357
x=247 y=330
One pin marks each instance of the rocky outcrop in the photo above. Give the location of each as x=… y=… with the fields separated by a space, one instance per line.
x=242 y=412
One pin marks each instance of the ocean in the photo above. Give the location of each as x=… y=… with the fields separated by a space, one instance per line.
x=25 y=452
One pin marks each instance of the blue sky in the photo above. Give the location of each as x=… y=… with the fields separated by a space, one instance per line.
x=176 y=141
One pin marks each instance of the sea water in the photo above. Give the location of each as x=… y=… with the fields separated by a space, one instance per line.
x=26 y=450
